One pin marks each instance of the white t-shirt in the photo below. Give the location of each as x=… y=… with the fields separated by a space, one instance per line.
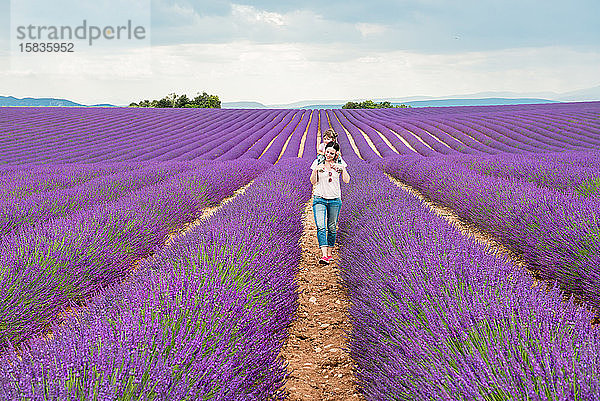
x=324 y=188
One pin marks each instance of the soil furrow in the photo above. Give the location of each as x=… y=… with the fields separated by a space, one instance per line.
x=319 y=365
x=488 y=241
x=206 y=213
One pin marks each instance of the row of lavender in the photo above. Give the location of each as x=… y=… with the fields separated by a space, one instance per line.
x=374 y=138
x=136 y=135
x=22 y=181
x=34 y=199
x=567 y=171
x=491 y=133
x=202 y=319
x=556 y=231
x=67 y=254
x=32 y=135
x=435 y=316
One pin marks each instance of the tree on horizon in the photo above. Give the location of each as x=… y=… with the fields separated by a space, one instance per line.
x=203 y=100
x=369 y=104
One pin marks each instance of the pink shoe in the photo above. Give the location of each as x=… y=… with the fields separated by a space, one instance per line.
x=324 y=260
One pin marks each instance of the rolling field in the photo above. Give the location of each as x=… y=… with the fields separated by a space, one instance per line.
x=97 y=304
x=91 y=135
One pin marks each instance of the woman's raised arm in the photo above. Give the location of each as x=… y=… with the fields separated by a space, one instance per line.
x=345 y=175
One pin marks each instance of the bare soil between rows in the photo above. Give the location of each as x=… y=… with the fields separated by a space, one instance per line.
x=468 y=230
x=488 y=241
x=175 y=233
x=319 y=364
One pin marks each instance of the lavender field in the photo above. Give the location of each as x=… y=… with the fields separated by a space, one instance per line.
x=96 y=304
x=92 y=135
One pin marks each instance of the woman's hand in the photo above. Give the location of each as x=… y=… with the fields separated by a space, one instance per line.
x=345 y=175
x=313 y=176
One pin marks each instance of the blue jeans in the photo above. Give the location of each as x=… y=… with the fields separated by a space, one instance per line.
x=326 y=213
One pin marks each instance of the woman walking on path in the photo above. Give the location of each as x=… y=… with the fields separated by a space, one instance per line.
x=327 y=197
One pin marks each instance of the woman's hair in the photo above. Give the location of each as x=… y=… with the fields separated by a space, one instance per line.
x=331 y=134
x=334 y=145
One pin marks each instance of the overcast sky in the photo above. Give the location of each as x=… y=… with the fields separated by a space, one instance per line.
x=282 y=51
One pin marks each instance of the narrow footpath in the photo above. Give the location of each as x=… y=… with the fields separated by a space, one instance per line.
x=469 y=230
x=206 y=213
x=176 y=232
x=490 y=243
x=319 y=366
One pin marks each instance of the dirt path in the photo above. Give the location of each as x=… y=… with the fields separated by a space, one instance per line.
x=465 y=228
x=319 y=366
x=207 y=212
x=488 y=242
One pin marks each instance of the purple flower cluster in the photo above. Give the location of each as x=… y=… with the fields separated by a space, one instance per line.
x=356 y=127
x=436 y=317
x=236 y=143
x=309 y=151
x=274 y=148
x=66 y=260
x=256 y=143
x=204 y=318
x=556 y=232
x=294 y=141
x=22 y=181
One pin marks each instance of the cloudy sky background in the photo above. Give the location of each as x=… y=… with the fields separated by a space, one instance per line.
x=281 y=51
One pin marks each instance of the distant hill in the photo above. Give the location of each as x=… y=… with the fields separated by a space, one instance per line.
x=321 y=106
x=447 y=102
x=103 y=105
x=242 y=105
x=30 y=101
x=44 y=102
x=582 y=95
x=424 y=101
x=309 y=104
x=492 y=101
x=37 y=102
x=473 y=99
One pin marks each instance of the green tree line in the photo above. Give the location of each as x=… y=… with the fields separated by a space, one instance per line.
x=369 y=104
x=203 y=100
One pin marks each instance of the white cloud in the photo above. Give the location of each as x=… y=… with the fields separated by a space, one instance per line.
x=370 y=59
x=99 y=63
x=243 y=22
x=253 y=15
x=282 y=73
x=279 y=73
x=244 y=52
x=183 y=13
x=367 y=29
